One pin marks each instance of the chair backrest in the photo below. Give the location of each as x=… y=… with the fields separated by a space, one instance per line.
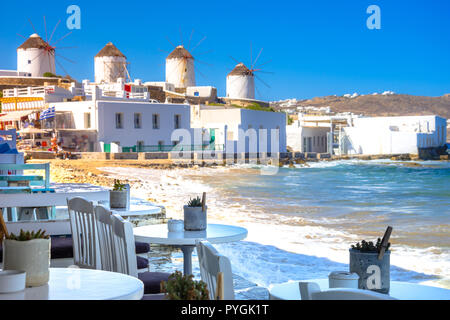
x=211 y=263
x=84 y=233
x=124 y=246
x=311 y=291
x=104 y=223
x=307 y=288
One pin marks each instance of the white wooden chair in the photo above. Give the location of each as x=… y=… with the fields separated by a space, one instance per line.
x=125 y=256
x=311 y=291
x=84 y=234
x=214 y=266
x=105 y=238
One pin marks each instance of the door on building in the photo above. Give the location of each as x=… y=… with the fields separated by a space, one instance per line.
x=212 y=135
x=309 y=148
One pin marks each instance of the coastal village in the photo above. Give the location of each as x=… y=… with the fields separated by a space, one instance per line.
x=86 y=134
x=120 y=118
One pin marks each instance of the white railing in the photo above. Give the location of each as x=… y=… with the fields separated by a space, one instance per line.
x=26 y=92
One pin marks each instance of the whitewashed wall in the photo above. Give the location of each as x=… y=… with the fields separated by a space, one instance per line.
x=78 y=110
x=128 y=136
x=40 y=62
x=109 y=69
x=180 y=72
x=235 y=119
x=295 y=137
x=203 y=91
x=240 y=87
x=394 y=135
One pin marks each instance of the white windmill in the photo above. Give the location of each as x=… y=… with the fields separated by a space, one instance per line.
x=180 y=68
x=241 y=83
x=36 y=57
x=241 y=80
x=110 y=64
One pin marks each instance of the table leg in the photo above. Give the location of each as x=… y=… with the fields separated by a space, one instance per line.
x=187 y=259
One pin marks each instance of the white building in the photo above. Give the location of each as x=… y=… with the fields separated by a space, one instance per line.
x=316 y=130
x=35 y=57
x=180 y=68
x=394 y=135
x=110 y=64
x=241 y=83
x=131 y=124
x=241 y=130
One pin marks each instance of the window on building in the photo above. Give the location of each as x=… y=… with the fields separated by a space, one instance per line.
x=304 y=144
x=29 y=61
x=137 y=121
x=250 y=126
x=119 y=120
x=314 y=141
x=155 y=121
x=87 y=120
x=177 y=120
x=196 y=94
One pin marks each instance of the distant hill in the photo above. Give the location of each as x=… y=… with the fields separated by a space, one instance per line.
x=377 y=105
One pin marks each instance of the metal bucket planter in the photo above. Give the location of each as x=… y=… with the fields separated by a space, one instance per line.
x=373 y=274
x=117 y=199
x=31 y=256
x=194 y=218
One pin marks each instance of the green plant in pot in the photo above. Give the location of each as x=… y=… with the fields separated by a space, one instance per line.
x=195 y=214
x=29 y=252
x=182 y=287
x=372 y=263
x=118 y=196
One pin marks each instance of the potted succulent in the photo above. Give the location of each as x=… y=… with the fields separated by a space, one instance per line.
x=195 y=214
x=182 y=287
x=372 y=263
x=118 y=196
x=29 y=252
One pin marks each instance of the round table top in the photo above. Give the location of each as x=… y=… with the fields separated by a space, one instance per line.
x=82 y=284
x=214 y=233
x=398 y=290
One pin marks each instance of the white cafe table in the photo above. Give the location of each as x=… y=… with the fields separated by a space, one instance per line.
x=82 y=284
x=398 y=290
x=214 y=233
x=137 y=208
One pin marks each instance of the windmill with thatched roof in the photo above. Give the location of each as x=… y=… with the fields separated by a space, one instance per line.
x=180 y=68
x=110 y=64
x=241 y=80
x=36 y=57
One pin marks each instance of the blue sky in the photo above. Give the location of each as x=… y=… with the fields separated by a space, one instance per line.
x=315 y=48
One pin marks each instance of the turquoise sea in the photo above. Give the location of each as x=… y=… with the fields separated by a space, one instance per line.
x=301 y=221
x=318 y=211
